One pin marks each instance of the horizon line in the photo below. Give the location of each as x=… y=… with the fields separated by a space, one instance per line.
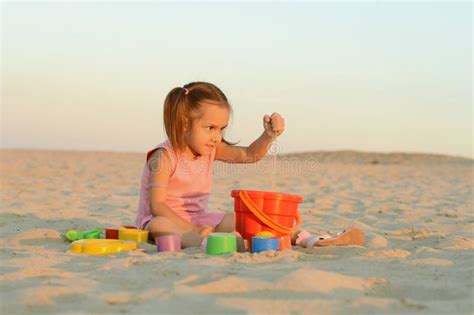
x=457 y=156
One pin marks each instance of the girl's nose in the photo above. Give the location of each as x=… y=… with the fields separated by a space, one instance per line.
x=216 y=138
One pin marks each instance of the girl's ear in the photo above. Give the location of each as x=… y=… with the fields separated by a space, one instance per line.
x=186 y=124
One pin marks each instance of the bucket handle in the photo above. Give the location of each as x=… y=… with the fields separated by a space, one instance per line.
x=265 y=219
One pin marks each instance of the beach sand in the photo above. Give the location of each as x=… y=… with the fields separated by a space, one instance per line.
x=416 y=211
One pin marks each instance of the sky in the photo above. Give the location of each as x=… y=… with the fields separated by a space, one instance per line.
x=366 y=76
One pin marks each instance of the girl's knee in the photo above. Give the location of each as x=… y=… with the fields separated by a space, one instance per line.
x=227 y=224
x=161 y=226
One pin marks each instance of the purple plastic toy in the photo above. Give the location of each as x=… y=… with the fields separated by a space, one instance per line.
x=168 y=243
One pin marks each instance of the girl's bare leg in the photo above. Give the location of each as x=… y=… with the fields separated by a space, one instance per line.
x=163 y=226
x=228 y=225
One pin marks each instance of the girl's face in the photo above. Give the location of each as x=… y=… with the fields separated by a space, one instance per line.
x=206 y=132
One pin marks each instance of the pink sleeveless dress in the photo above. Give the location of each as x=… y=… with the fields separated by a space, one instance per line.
x=188 y=189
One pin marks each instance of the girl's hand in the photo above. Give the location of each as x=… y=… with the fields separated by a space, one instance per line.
x=274 y=125
x=203 y=230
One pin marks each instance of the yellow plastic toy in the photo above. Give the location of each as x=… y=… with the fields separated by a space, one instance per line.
x=265 y=234
x=133 y=235
x=101 y=247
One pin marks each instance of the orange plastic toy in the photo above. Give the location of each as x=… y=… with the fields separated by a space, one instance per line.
x=257 y=211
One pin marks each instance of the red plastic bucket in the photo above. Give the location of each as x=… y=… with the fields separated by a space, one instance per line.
x=257 y=211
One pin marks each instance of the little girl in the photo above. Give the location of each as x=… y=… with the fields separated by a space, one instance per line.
x=177 y=177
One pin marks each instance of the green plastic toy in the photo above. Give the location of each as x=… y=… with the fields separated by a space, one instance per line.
x=221 y=243
x=73 y=235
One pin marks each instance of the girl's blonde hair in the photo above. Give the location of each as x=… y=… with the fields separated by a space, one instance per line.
x=182 y=106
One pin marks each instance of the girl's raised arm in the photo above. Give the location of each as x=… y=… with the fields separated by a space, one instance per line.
x=273 y=127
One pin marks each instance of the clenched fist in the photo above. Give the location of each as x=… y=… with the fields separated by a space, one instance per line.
x=274 y=125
